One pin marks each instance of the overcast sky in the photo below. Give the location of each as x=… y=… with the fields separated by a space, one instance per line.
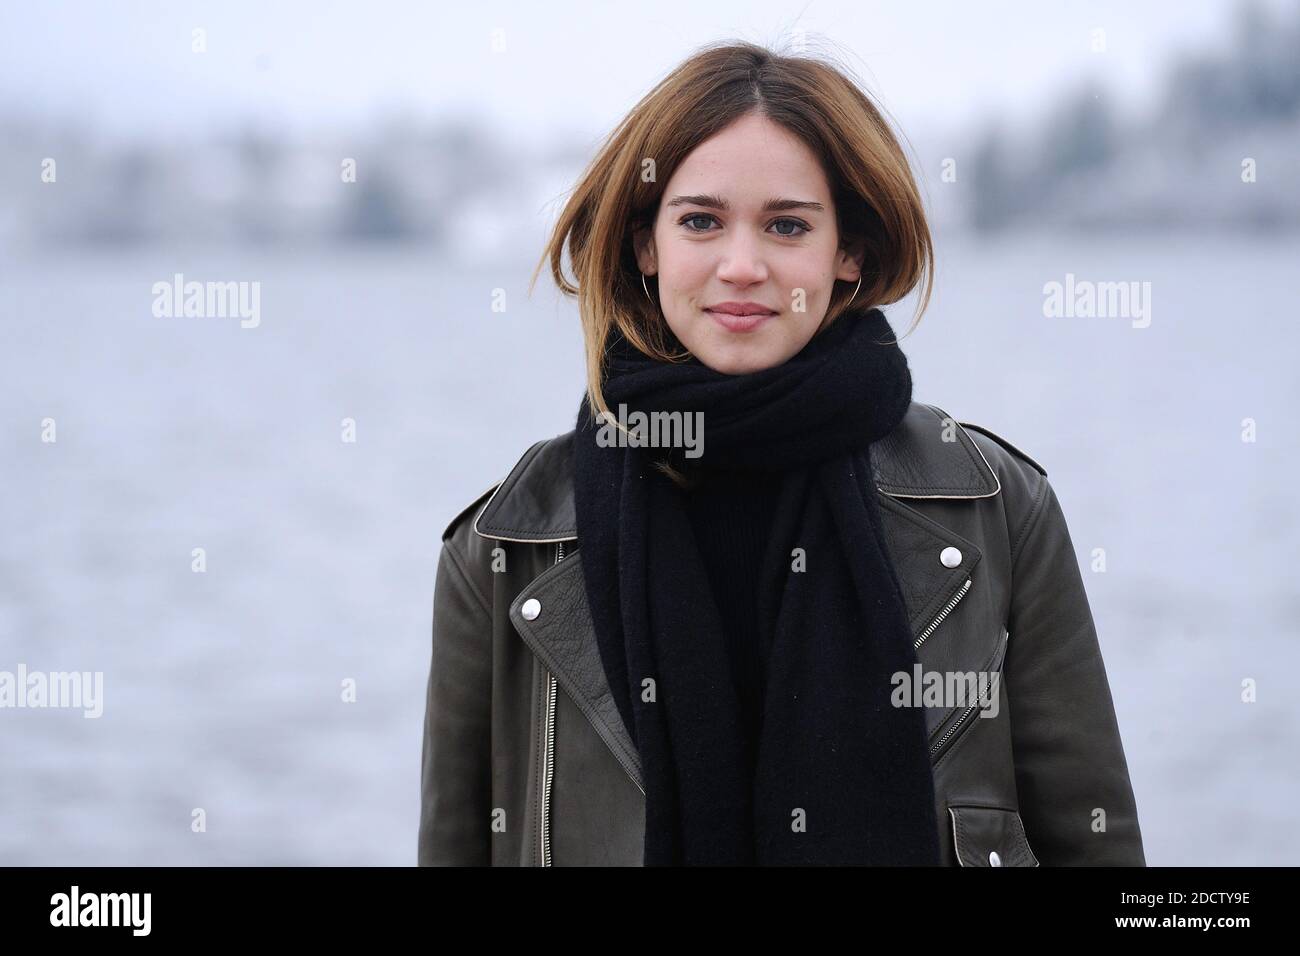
x=567 y=67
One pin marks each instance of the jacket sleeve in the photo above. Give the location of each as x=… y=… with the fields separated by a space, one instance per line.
x=456 y=765
x=1076 y=800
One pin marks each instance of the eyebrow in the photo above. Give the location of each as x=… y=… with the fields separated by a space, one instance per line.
x=717 y=202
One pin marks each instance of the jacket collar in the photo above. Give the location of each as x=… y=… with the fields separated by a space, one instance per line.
x=920 y=458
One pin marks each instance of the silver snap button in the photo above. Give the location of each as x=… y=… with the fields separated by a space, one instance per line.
x=994 y=859
x=950 y=557
x=530 y=609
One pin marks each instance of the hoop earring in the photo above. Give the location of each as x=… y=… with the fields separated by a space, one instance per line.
x=647 y=289
x=855 y=290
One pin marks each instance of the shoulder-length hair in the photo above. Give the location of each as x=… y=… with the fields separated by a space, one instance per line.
x=876 y=199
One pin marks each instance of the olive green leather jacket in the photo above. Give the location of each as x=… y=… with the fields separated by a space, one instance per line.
x=526 y=760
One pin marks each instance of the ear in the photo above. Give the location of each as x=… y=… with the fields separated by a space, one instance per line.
x=643 y=244
x=849 y=261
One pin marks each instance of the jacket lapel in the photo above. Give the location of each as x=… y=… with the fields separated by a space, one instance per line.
x=921 y=458
x=564 y=639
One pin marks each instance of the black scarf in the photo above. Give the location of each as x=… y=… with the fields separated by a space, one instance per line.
x=842 y=776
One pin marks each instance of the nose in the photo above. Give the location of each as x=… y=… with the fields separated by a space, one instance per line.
x=742 y=262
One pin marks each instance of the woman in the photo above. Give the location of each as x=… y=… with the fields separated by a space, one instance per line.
x=829 y=624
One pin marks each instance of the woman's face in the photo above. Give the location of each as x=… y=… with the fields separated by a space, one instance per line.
x=746 y=225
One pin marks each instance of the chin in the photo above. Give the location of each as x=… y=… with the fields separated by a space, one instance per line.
x=738 y=361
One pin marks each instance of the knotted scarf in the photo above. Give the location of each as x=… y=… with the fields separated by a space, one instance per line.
x=841 y=775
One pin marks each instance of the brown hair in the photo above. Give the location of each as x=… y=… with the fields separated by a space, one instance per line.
x=876 y=199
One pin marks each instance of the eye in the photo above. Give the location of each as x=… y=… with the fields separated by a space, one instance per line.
x=793 y=222
x=693 y=216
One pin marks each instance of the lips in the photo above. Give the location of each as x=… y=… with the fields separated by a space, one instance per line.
x=740 y=308
x=742 y=322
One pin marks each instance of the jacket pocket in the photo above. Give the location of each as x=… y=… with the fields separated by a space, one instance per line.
x=989 y=836
x=946 y=735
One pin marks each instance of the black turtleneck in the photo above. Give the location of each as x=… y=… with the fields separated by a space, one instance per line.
x=731 y=513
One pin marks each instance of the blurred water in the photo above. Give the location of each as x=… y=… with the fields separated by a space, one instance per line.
x=222 y=690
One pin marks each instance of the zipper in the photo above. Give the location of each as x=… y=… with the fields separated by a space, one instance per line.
x=964 y=720
x=548 y=750
x=942 y=614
